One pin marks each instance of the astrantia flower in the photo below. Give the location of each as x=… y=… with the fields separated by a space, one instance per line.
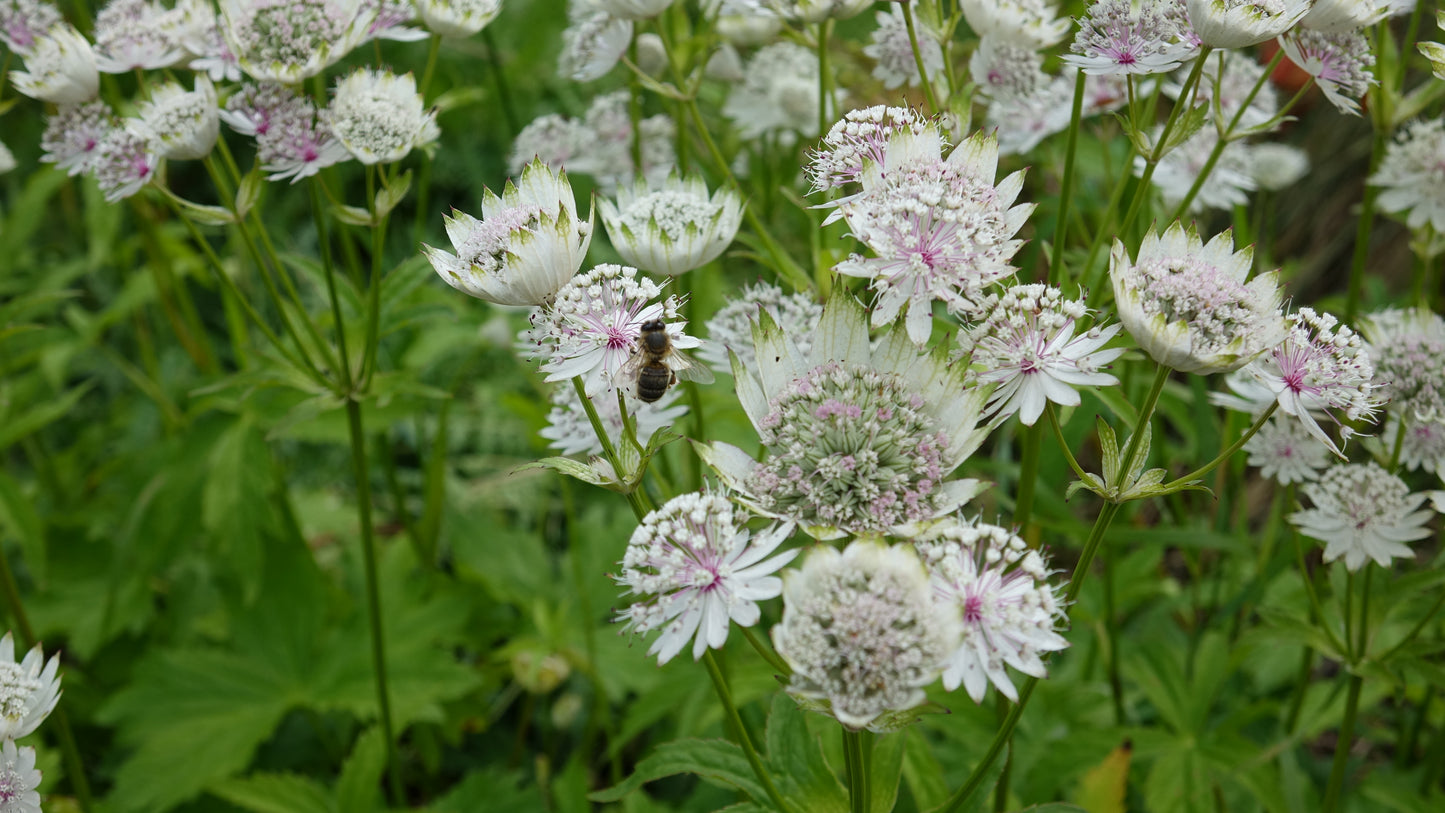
x=1119 y=38
x=1010 y=613
x=593 y=43
x=1236 y=78
x=60 y=68
x=1413 y=176
x=1241 y=23
x=940 y=229
x=24 y=21
x=1030 y=23
x=1225 y=187
x=379 y=117
x=527 y=245
x=861 y=138
x=1277 y=166
x=137 y=35
x=1321 y=366
x=290 y=40
x=600 y=144
x=1188 y=305
x=815 y=11
x=1285 y=452
x=633 y=9
x=73 y=135
x=291 y=141
x=673 y=228
x=29 y=689
x=1003 y=70
x=457 y=18
x=778 y=94
x=123 y=164
x=731 y=328
x=1340 y=64
x=7 y=159
x=863 y=632
x=1360 y=512
x=1022 y=121
x=18 y=779
x=570 y=430
x=857 y=439
x=892 y=51
x=180 y=124
x=697 y=569
x=1344 y=16
x=389 y=21
x=1026 y=345
x=1422 y=447
x=1408 y=350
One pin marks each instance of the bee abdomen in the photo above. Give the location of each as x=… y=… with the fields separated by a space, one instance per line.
x=653 y=381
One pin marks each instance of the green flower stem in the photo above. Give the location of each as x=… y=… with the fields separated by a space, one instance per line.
x=1156 y=152
x=1066 y=186
x=1106 y=222
x=1333 y=791
x=918 y=60
x=1111 y=642
x=1417 y=629
x=504 y=94
x=1315 y=607
x=175 y=301
x=855 y=756
x=74 y=767
x=1161 y=377
x=1227 y=453
x=433 y=47
x=373 y=288
x=825 y=79
x=772 y=657
x=720 y=683
x=635 y=497
x=1363 y=229
x=1029 y=446
x=1063 y=445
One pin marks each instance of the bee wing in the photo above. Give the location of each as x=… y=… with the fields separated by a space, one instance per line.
x=688 y=369
x=626 y=377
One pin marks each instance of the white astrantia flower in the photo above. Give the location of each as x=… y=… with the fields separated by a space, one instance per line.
x=180 y=124
x=1413 y=176
x=1276 y=166
x=744 y=23
x=672 y=228
x=1320 y=366
x=1344 y=16
x=1187 y=303
x=940 y=229
x=864 y=633
x=892 y=51
x=778 y=94
x=1026 y=345
x=124 y=162
x=138 y=35
x=633 y=9
x=1010 y=613
x=1031 y=23
x=1362 y=512
x=527 y=245
x=570 y=430
x=697 y=570
x=379 y=116
x=812 y=11
x=593 y=43
x=290 y=40
x=1226 y=186
x=60 y=68
x=200 y=35
x=1285 y=451
x=291 y=141
x=7 y=159
x=857 y=438
x=1022 y=120
x=18 y=779
x=1421 y=447
x=1241 y=23
x=1408 y=351
x=1118 y=37
x=24 y=21
x=1340 y=64
x=599 y=144
x=389 y=21
x=29 y=689
x=457 y=18
x=73 y=135
x=593 y=326
x=1003 y=70
x=860 y=139
x=730 y=330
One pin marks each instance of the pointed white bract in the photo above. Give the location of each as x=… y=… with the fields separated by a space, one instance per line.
x=29 y=689
x=1241 y=23
x=1362 y=513
x=1412 y=177
x=290 y=40
x=1339 y=62
x=379 y=117
x=138 y=35
x=673 y=227
x=1344 y=16
x=730 y=330
x=180 y=124
x=19 y=779
x=60 y=68
x=457 y=18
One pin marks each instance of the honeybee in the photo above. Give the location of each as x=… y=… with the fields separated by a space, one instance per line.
x=657 y=365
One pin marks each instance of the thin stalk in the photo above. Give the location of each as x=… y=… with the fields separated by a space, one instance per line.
x=918 y=60
x=766 y=653
x=373 y=288
x=825 y=78
x=1066 y=186
x=1335 y=788
x=856 y=759
x=1000 y=789
x=720 y=684
x=434 y=47
x=1151 y=161
x=1227 y=453
x=504 y=95
x=635 y=497
x=1111 y=641
x=1314 y=596
x=1030 y=443
x=1362 y=231
x=1059 y=436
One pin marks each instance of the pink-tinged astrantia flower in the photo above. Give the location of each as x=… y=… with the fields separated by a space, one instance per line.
x=1031 y=23
x=1340 y=64
x=857 y=438
x=290 y=40
x=860 y=139
x=1344 y=16
x=1010 y=613
x=1408 y=349
x=940 y=229
x=1413 y=176
x=291 y=142
x=672 y=227
x=200 y=34
x=1421 y=447
x=527 y=245
x=1285 y=451
x=1188 y=306
x=124 y=163
x=18 y=779
x=864 y=633
x=138 y=35
x=1362 y=512
x=599 y=144
x=1241 y=23
x=1118 y=37
x=1027 y=346
x=389 y=21
x=29 y=689
x=1321 y=366
x=730 y=329
x=892 y=51
x=73 y=135
x=60 y=68
x=23 y=21
x=697 y=570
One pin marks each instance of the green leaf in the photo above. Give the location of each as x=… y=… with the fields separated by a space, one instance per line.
x=389 y=196
x=922 y=771
x=249 y=192
x=275 y=793
x=491 y=789
x=887 y=770
x=1185 y=128
x=1101 y=789
x=359 y=788
x=235 y=507
x=351 y=215
x=716 y=761
x=796 y=762
x=19 y=517
x=15 y=427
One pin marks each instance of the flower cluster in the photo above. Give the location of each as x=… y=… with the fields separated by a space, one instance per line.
x=1408 y=351
x=730 y=330
x=671 y=228
x=1362 y=512
x=1120 y=37
x=29 y=691
x=892 y=51
x=599 y=144
x=1413 y=176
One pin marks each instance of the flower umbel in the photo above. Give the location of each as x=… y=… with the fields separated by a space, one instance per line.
x=1286 y=452
x=29 y=689
x=1413 y=176
x=1360 y=511
x=730 y=329
x=18 y=779
x=1241 y=23
x=180 y=124
x=379 y=117
x=1408 y=350
x=1119 y=38
x=1340 y=64
x=673 y=228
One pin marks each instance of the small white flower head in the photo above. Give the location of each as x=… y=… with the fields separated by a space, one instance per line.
x=593 y=43
x=730 y=330
x=1340 y=64
x=1423 y=446
x=18 y=779
x=1010 y=613
x=673 y=228
x=379 y=117
x=1005 y=71
x=745 y=24
x=199 y=33
x=600 y=144
x=1408 y=349
x=892 y=51
x=1119 y=38
x=29 y=689
x=123 y=164
x=857 y=439
x=7 y=159
x=138 y=35
x=860 y=139
x=633 y=9
x=290 y=40
x=1030 y=23
x=816 y=11
x=1226 y=186
x=697 y=570
x=778 y=94
x=24 y=21
x=180 y=124
x=1413 y=176
x=863 y=632
x=389 y=21
x=1362 y=512
x=1188 y=306
x=593 y=327
x=941 y=230
x=1026 y=345
x=1277 y=166
x=1321 y=366
x=570 y=430
x=291 y=140
x=60 y=68
x=1344 y=16
x=1022 y=121
x=457 y=18
x=1285 y=451
x=73 y=135
x=1241 y=23
x=527 y=246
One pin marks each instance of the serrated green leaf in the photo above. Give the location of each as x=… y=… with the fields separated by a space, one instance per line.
x=716 y=761
x=493 y=790
x=359 y=788
x=796 y=762
x=887 y=770
x=15 y=427
x=275 y=793
x=235 y=506
x=389 y=196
